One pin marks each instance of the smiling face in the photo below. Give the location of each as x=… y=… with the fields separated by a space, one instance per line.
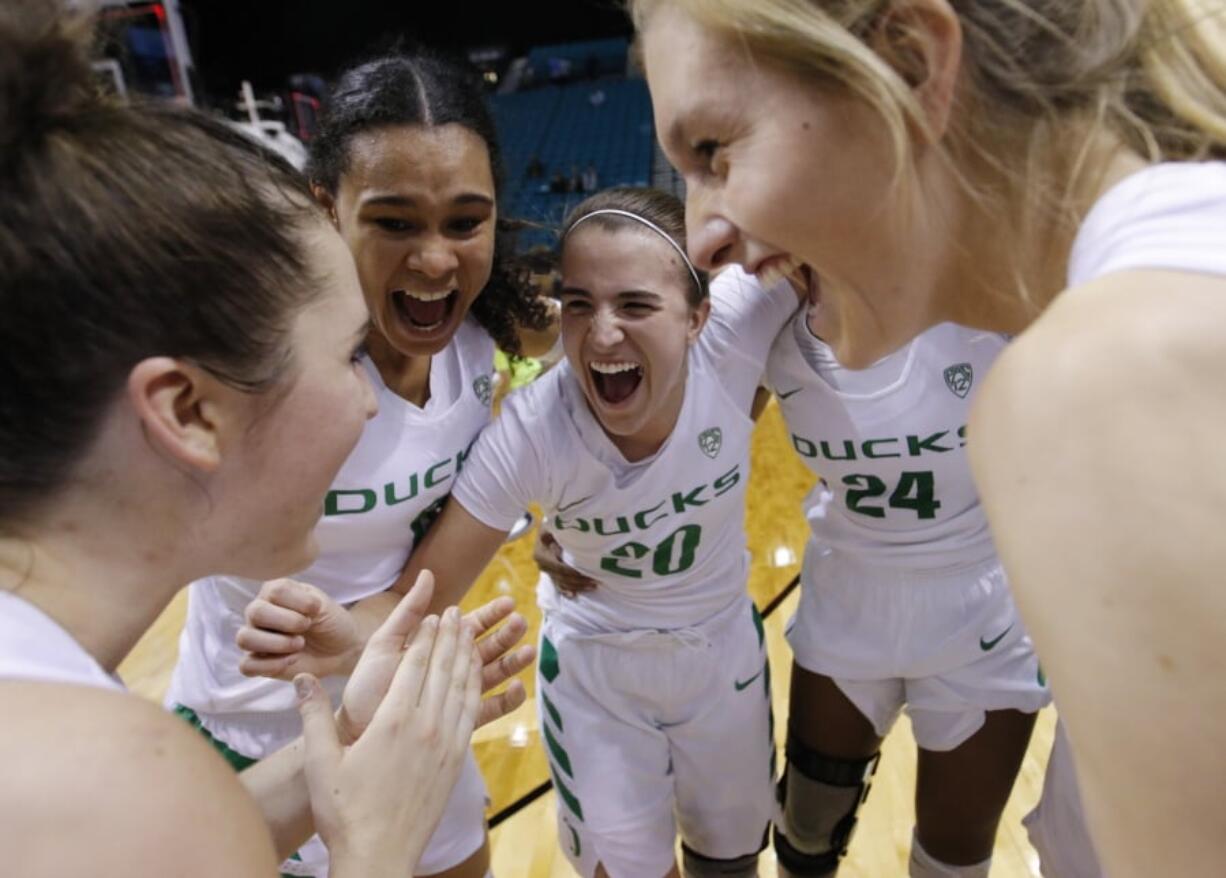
x=416 y=207
x=627 y=326
x=785 y=176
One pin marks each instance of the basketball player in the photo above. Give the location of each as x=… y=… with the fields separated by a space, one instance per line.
x=1049 y=169
x=153 y=418
x=405 y=166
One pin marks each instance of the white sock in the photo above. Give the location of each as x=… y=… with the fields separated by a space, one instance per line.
x=925 y=865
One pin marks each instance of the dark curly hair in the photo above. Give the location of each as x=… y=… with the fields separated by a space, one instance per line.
x=420 y=86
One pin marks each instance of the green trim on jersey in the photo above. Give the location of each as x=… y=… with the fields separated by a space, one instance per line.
x=757 y=624
x=549 y=660
x=552 y=711
x=237 y=760
x=566 y=795
x=560 y=756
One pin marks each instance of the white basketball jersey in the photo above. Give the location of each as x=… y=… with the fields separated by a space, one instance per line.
x=33 y=646
x=386 y=494
x=889 y=442
x=1169 y=216
x=665 y=536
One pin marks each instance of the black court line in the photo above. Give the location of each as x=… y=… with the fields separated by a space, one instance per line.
x=539 y=790
x=781 y=597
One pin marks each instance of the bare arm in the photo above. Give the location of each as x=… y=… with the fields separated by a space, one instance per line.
x=1097 y=445
x=456 y=549
x=105 y=784
x=279 y=787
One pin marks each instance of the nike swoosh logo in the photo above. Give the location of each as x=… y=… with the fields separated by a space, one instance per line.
x=789 y=393
x=741 y=685
x=986 y=645
x=562 y=509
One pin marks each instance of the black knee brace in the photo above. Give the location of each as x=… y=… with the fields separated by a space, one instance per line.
x=696 y=865
x=820 y=796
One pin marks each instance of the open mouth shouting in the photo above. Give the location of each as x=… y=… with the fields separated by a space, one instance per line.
x=615 y=381
x=424 y=313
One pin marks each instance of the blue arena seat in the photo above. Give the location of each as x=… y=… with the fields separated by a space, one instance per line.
x=604 y=123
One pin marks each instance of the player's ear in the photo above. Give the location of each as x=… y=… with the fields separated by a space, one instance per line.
x=698 y=319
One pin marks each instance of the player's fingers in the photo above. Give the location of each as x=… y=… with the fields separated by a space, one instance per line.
x=565 y=577
x=471 y=705
x=268 y=642
x=456 y=697
x=407 y=615
x=576 y=582
x=546 y=549
x=502 y=638
x=441 y=675
x=489 y=614
x=292 y=595
x=404 y=693
x=271 y=617
x=496 y=673
x=500 y=704
x=275 y=667
x=322 y=747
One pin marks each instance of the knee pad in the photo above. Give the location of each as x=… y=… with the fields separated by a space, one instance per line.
x=696 y=865
x=820 y=796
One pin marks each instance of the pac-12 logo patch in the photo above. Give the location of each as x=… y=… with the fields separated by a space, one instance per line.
x=710 y=441
x=484 y=388
x=959 y=378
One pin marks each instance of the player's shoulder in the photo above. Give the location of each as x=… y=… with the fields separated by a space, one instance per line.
x=733 y=282
x=1138 y=351
x=105 y=783
x=1125 y=335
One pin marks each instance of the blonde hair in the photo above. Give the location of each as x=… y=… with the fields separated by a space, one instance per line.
x=1044 y=79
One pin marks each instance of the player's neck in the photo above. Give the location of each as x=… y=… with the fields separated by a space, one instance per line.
x=643 y=443
x=104 y=588
x=406 y=376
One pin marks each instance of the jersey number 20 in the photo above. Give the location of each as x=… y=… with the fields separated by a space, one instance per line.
x=674 y=554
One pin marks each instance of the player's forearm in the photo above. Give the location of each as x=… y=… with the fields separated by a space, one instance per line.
x=456 y=550
x=452 y=580
x=278 y=785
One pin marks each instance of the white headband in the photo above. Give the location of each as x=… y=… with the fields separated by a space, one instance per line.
x=659 y=231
